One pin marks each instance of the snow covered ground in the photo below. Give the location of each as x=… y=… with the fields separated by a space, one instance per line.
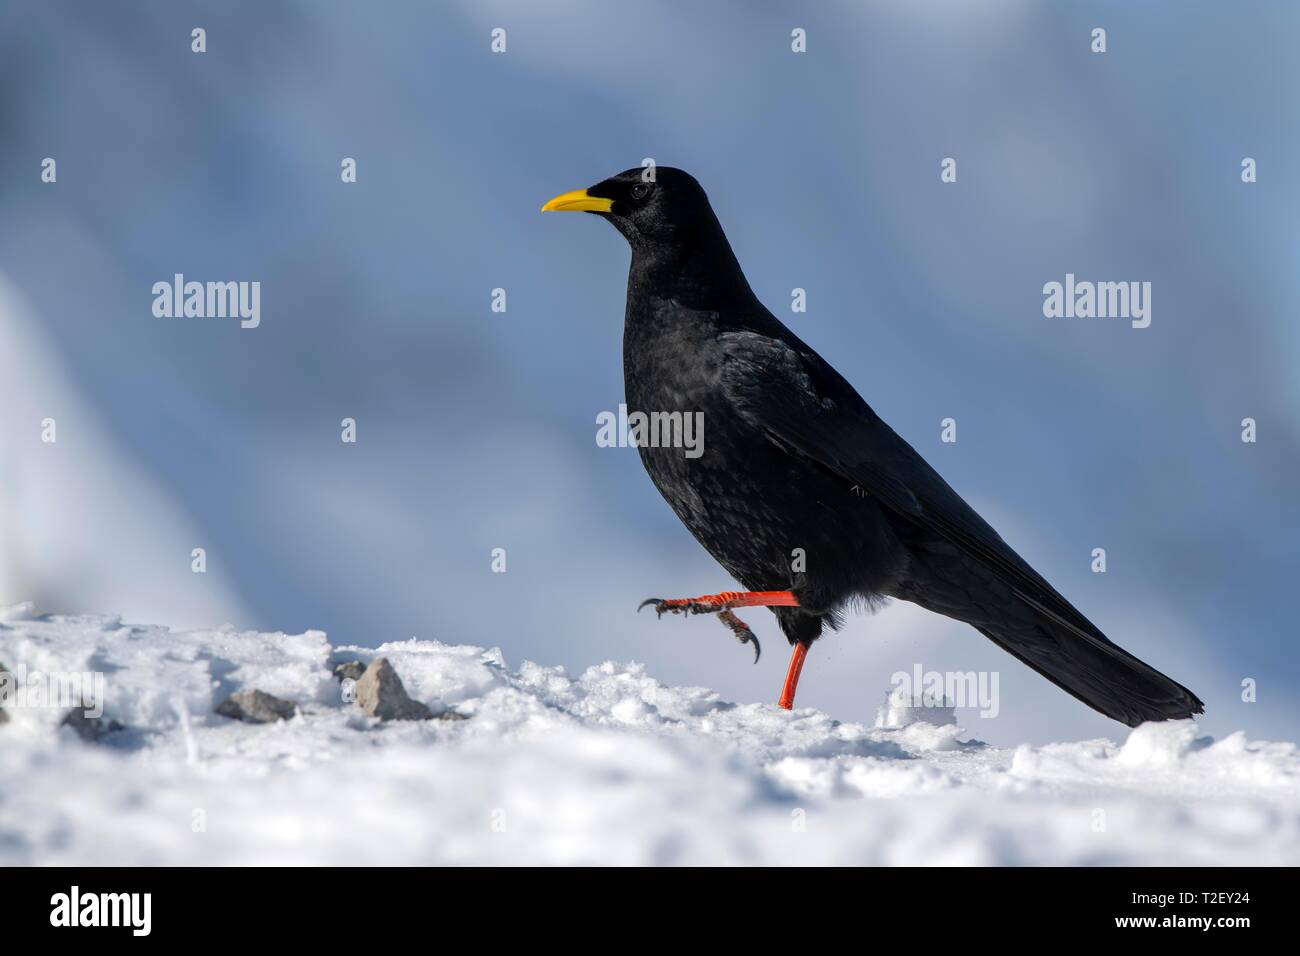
x=609 y=766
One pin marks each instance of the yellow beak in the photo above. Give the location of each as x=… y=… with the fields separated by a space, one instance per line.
x=578 y=201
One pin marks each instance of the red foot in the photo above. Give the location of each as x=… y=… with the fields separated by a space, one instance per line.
x=725 y=601
x=721 y=605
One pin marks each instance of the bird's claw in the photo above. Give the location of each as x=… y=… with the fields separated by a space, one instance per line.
x=676 y=607
x=742 y=632
x=725 y=615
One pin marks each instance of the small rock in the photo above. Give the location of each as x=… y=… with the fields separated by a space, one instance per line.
x=256 y=707
x=380 y=694
x=89 y=729
x=349 y=670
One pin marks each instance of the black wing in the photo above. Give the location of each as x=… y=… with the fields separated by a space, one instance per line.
x=806 y=405
x=789 y=392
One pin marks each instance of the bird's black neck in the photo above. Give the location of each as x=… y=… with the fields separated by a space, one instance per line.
x=695 y=269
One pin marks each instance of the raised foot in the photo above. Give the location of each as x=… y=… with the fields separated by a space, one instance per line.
x=724 y=601
x=681 y=606
x=721 y=605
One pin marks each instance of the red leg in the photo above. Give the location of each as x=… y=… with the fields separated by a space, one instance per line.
x=725 y=601
x=721 y=605
x=792 y=675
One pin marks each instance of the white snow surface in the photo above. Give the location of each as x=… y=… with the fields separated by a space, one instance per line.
x=606 y=767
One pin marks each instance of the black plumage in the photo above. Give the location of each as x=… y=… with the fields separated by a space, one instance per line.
x=793 y=458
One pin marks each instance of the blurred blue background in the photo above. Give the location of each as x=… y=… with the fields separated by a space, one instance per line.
x=476 y=430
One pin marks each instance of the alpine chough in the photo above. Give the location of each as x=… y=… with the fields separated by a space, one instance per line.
x=794 y=459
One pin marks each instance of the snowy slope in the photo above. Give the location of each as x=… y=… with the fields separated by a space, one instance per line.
x=606 y=767
x=72 y=509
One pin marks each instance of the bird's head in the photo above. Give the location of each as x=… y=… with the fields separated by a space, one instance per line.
x=658 y=207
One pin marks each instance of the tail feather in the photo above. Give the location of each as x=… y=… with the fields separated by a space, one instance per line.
x=1043 y=630
x=1101 y=674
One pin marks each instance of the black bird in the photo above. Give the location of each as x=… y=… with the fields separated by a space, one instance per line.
x=793 y=458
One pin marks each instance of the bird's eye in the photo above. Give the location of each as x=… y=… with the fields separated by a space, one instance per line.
x=640 y=191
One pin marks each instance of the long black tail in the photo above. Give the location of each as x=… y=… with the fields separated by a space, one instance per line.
x=1047 y=633
x=1101 y=674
